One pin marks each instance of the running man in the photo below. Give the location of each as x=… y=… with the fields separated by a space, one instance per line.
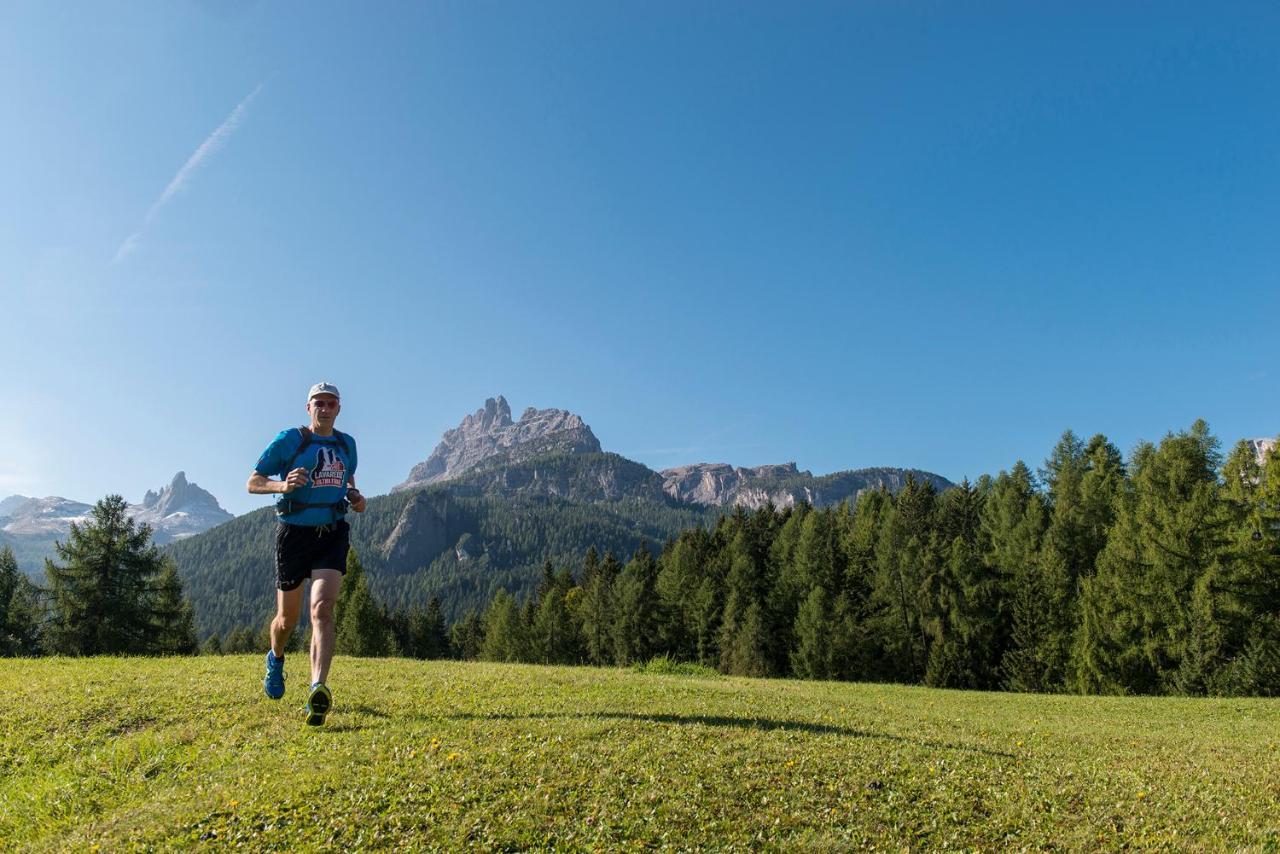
x=316 y=468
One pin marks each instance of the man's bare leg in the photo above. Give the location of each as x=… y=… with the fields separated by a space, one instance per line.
x=288 y=607
x=325 y=586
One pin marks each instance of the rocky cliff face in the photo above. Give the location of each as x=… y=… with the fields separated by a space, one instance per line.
x=421 y=532
x=785 y=485
x=489 y=437
x=179 y=510
x=573 y=477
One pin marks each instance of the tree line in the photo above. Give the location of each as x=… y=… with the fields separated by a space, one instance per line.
x=1155 y=575
x=1159 y=575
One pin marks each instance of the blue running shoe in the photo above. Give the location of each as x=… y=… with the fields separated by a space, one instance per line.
x=273 y=683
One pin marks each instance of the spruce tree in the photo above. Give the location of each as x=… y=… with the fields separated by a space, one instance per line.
x=466 y=637
x=433 y=635
x=905 y=557
x=102 y=587
x=681 y=575
x=555 y=633
x=596 y=611
x=636 y=617
x=361 y=626
x=1154 y=614
x=961 y=597
x=745 y=643
x=20 y=616
x=174 y=622
x=506 y=636
x=746 y=652
x=1013 y=524
x=812 y=657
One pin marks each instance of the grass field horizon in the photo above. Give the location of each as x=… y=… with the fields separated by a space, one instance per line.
x=162 y=753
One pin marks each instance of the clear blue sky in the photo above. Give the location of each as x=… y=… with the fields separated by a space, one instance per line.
x=908 y=234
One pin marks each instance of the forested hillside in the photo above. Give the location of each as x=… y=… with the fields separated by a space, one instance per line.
x=450 y=540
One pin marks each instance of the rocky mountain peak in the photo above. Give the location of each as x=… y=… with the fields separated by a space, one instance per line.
x=180 y=509
x=494 y=415
x=11 y=504
x=489 y=435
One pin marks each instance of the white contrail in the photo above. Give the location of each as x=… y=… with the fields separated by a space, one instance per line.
x=179 y=182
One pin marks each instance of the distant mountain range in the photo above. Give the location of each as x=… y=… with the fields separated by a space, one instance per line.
x=31 y=526
x=490 y=441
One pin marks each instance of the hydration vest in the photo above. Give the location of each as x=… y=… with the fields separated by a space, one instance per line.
x=286 y=504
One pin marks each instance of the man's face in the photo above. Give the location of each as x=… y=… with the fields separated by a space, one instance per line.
x=323 y=409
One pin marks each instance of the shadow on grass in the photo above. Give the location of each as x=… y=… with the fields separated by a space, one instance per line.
x=765 y=724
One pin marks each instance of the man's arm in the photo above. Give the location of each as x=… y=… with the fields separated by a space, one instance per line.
x=354 y=496
x=260 y=484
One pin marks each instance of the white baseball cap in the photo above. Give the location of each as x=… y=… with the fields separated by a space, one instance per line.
x=323 y=388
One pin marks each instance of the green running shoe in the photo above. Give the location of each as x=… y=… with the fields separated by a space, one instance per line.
x=319 y=701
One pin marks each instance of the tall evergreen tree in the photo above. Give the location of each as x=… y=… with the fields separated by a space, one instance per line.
x=173 y=617
x=1013 y=524
x=745 y=643
x=556 y=634
x=466 y=637
x=361 y=625
x=813 y=655
x=1168 y=548
x=432 y=635
x=596 y=611
x=20 y=616
x=506 y=635
x=683 y=570
x=636 y=615
x=103 y=586
x=961 y=598
x=904 y=559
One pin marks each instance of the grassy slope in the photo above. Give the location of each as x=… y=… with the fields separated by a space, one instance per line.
x=168 y=752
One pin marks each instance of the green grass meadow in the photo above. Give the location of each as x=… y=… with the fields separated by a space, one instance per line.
x=143 y=754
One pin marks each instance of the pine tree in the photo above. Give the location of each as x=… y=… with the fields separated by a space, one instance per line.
x=361 y=626
x=961 y=620
x=596 y=611
x=103 y=586
x=466 y=637
x=813 y=655
x=905 y=557
x=960 y=607
x=745 y=642
x=1169 y=545
x=1013 y=524
x=432 y=636
x=682 y=573
x=174 y=621
x=505 y=632
x=636 y=618
x=19 y=610
x=746 y=651
x=555 y=633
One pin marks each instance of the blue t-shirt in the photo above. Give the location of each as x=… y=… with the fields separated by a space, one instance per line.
x=329 y=468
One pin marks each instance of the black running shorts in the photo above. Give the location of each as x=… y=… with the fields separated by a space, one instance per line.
x=303 y=548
